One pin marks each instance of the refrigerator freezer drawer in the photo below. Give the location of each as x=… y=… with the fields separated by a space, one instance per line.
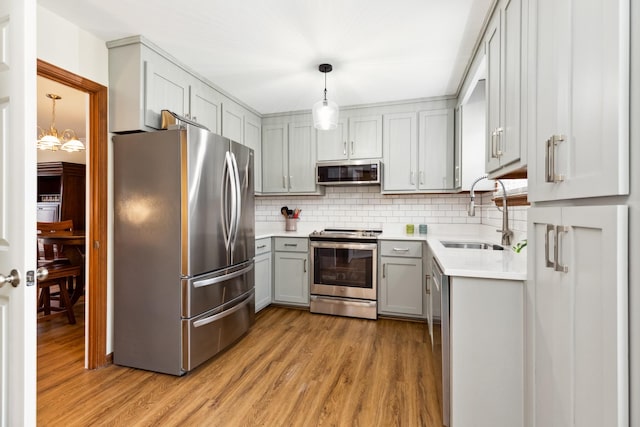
x=204 y=293
x=206 y=335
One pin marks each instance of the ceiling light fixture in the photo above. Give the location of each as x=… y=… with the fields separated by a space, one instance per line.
x=325 y=112
x=54 y=141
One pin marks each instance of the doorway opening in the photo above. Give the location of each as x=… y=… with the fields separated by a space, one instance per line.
x=96 y=227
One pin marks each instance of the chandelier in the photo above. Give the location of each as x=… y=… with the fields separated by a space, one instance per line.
x=53 y=140
x=325 y=112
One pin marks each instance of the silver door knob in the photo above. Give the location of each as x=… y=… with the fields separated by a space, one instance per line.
x=13 y=278
x=42 y=273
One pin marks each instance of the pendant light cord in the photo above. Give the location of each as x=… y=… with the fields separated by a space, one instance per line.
x=325 y=85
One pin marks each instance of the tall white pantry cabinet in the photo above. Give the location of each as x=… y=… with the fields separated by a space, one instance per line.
x=579 y=325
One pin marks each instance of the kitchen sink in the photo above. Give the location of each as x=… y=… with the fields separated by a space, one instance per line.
x=471 y=245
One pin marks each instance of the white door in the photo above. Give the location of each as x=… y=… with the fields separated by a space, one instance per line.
x=17 y=211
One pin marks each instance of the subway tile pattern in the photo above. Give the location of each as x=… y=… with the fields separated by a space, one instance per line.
x=365 y=207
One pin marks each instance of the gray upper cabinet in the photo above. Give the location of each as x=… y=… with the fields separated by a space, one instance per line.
x=233 y=121
x=144 y=80
x=418 y=151
x=579 y=73
x=289 y=157
x=358 y=137
x=506 y=133
x=206 y=106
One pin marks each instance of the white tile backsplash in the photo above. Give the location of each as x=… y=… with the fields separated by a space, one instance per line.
x=365 y=207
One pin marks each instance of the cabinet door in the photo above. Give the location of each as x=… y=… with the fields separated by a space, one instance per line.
x=494 y=70
x=302 y=157
x=166 y=87
x=332 y=144
x=579 y=329
x=509 y=137
x=580 y=78
x=365 y=137
x=263 y=281
x=457 y=148
x=400 y=152
x=252 y=139
x=401 y=286
x=436 y=150
x=232 y=121
x=274 y=157
x=206 y=105
x=291 y=278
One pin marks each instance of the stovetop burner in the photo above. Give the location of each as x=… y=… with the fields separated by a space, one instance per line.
x=342 y=233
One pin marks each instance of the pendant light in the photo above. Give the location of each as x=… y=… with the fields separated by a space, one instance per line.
x=52 y=140
x=325 y=112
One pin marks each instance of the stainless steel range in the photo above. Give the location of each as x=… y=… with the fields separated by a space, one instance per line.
x=343 y=272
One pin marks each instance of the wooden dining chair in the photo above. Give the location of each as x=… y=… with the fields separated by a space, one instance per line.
x=62 y=274
x=48 y=254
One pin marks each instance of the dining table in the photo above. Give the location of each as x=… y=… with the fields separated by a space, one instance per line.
x=73 y=248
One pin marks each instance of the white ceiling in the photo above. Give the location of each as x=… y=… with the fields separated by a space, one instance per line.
x=266 y=53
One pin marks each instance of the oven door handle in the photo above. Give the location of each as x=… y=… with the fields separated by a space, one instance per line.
x=343 y=245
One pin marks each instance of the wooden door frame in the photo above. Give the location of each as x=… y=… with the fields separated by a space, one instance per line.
x=96 y=248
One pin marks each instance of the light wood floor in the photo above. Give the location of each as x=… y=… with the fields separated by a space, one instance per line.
x=293 y=368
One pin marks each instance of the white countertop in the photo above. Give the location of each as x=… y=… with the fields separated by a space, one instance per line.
x=481 y=263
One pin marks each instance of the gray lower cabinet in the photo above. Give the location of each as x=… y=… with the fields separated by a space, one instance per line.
x=291 y=271
x=263 y=269
x=400 y=291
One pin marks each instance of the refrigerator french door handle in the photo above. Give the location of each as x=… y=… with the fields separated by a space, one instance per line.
x=234 y=196
x=237 y=200
x=226 y=228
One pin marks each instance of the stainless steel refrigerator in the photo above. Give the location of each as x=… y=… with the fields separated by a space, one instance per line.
x=183 y=247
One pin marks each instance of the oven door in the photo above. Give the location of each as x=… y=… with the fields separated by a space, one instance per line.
x=344 y=269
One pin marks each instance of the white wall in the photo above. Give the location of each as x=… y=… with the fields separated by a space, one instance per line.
x=67 y=46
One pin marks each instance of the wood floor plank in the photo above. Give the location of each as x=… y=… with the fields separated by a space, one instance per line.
x=293 y=368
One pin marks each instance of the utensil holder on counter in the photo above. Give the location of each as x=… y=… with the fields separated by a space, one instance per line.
x=291 y=224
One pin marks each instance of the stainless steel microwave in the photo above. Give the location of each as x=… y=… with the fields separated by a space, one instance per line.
x=348 y=172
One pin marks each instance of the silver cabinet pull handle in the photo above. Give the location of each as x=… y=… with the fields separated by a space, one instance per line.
x=352 y=152
x=401 y=249
x=550 y=161
x=411 y=180
x=304 y=266
x=262 y=246
x=493 y=144
x=284 y=181
x=290 y=181
x=344 y=149
x=426 y=284
x=549 y=263
x=499 y=152
x=291 y=244
x=384 y=270
x=421 y=177
x=560 y=229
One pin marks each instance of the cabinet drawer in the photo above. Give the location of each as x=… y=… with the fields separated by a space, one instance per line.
x=291 y=244
x=401 y=248
x=263 y=246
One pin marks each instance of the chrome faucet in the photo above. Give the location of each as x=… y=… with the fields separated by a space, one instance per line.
x=506 y=233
